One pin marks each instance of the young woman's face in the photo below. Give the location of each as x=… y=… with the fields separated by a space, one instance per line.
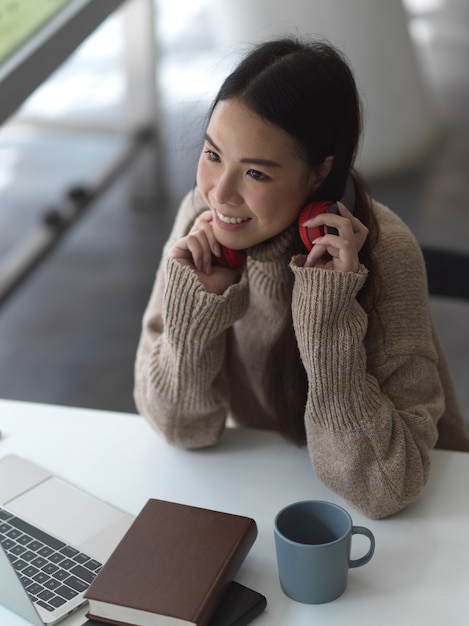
x=252 y=176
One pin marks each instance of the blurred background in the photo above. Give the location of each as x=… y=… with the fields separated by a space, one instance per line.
x=69 y=329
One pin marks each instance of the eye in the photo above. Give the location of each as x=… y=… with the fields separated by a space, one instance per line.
x=256 y=175
x=212 y=156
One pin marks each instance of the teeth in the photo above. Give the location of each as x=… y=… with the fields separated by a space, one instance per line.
x=231 y=220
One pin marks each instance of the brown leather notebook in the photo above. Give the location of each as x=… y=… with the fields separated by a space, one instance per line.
x=174 y=563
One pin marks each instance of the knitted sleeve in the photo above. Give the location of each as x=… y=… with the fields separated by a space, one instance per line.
x=180 y=381
x=375 y=395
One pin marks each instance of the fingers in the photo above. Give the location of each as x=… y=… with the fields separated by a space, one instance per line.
x=199 y=245
x=334 y=252
x=204 y=223
x=318 y=257
x=192 y=250
x=337 y=251
x=344 y=222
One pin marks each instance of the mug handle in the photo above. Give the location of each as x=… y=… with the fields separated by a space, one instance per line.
x=361 y=530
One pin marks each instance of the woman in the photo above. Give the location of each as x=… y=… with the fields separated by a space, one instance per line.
x=334 y=346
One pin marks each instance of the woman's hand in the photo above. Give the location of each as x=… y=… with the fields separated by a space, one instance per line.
x=337 y=252
x=196 y=250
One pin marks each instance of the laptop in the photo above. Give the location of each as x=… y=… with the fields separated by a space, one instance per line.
x=54 y=537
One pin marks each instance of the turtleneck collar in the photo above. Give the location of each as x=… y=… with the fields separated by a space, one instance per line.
x=277 y=247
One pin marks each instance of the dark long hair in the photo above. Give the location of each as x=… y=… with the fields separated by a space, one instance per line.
x=306 y=88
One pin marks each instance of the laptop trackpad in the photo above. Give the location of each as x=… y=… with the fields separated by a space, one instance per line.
x=65 y=511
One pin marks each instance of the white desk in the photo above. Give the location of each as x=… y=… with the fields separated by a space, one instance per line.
x=418 y=576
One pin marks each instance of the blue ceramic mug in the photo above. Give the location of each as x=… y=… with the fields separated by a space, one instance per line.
x=313 y=540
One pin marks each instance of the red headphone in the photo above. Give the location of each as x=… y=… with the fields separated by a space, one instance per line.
x=309 y=233
x=230 y=258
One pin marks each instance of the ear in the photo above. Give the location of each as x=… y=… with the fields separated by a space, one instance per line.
x=321 y=172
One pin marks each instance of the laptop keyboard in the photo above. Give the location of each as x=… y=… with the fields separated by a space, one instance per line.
x=52 y=572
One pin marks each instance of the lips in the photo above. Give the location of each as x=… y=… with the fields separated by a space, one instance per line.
x=231 y=220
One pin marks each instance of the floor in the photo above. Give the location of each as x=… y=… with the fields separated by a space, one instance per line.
x=68 y=334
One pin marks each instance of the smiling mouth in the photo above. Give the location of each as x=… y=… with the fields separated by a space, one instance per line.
x=231 y=220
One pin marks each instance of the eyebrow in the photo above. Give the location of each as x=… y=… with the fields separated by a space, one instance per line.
x=251 y=161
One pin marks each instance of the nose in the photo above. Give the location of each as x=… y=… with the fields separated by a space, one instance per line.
x=227 y=189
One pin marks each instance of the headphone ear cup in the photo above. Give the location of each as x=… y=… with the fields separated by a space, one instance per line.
x=309 y=233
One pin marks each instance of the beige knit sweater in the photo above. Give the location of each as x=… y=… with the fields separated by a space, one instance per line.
x=380 y=395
